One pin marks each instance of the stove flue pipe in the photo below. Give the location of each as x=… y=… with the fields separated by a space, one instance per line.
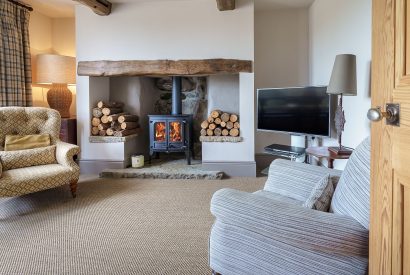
x=176 y=95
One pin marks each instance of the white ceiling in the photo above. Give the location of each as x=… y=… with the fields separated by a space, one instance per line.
x=65 y=8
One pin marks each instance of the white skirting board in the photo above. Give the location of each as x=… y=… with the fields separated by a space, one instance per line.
x=95 y=167
x=232 y=169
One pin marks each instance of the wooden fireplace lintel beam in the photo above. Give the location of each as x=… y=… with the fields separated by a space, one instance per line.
x=100 y=7
x=160 y=68
x=225 y=5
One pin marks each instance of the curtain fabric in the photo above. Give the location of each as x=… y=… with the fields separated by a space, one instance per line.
x=15 y=59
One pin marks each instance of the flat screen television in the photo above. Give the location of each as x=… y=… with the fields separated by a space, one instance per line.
x=300 y=110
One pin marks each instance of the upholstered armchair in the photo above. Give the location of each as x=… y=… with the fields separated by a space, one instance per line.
x=61 y=168
x=272 y=231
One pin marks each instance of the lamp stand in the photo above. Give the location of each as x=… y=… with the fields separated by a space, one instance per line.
x=340 y=122
x=59 y=97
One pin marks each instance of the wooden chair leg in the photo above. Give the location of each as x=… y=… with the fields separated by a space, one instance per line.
x=73 y=187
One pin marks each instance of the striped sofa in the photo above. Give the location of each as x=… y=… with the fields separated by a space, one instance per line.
x=272 y=233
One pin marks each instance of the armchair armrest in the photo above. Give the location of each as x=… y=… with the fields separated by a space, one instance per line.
x=291 y=224
x=296 y=180
x=65 y=153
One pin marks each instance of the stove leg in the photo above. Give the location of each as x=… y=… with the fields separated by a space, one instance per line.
x=188 y=157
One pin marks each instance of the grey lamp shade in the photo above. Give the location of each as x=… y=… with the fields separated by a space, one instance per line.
x=343 y=80
x=53 y=68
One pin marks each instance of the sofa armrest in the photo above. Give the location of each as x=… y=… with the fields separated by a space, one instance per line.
x=291 y=224
x=296 y=180
x=65 y=153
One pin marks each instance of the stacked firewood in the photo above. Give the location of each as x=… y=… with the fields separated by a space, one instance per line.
x=220 y=124
x=109 y=119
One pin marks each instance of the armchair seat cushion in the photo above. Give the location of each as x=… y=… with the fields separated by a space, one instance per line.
x=30 y=157
x=26 y=180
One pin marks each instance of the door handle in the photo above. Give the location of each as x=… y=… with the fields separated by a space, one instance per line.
x=392 y=114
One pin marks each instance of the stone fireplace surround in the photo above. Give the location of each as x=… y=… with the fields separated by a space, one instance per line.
x=229 y=85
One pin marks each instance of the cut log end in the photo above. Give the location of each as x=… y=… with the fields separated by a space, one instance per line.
x=225 y=117
x=204 y=124
x=128 y=118
x=233 y=118
x=234 y=132
x=215 y=113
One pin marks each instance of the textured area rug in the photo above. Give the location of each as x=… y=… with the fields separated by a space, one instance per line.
x=114 y=226
x=165 y=169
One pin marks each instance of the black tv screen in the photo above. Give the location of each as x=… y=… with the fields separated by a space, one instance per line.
x=294 y=110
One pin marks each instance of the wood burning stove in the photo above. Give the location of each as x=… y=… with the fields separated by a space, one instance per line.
x=172 y=133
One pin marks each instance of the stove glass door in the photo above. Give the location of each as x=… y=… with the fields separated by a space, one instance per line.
x=160 y=132
x=175 y=131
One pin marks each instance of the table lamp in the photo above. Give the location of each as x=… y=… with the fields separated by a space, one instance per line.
x=59 y=71
x=342 y=83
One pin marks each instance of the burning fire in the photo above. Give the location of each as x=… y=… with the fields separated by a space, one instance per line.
x=160 y=131
x=175 y=131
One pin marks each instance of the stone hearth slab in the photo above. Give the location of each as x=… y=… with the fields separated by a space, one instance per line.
x=165 y=169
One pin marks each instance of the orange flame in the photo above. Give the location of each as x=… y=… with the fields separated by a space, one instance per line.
x=160 y=131
x=175 y=131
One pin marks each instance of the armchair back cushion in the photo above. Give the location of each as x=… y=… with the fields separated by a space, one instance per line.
x=352 y=194
x=28 y=121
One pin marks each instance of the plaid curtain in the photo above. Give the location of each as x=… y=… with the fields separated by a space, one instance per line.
x=15 y=60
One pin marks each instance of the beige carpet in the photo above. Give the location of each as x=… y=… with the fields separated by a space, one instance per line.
x=114 y=226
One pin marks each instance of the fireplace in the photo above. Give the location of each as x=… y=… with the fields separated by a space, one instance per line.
x=172 y=133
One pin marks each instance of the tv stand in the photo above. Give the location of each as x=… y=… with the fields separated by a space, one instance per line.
x=291 y=152
x=284 y=151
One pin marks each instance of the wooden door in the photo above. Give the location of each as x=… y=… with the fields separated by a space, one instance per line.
x=390 y=180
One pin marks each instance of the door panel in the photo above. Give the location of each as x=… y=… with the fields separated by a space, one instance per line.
x=402 y=43
x=390 y=198
x=401 y=225
x=401 y=144
x=381 y=191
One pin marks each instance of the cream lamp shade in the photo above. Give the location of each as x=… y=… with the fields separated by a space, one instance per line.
x=343 y=80
x=52 y=68
x=59 y=71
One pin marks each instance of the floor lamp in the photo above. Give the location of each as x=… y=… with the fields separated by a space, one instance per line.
x=342 y=83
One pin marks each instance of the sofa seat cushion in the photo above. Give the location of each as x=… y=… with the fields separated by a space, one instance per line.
x=277 y=197
x=30 y=157
x=27 y=180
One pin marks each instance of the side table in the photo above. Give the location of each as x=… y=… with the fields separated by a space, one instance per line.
x=68 y=131
x=323 y=152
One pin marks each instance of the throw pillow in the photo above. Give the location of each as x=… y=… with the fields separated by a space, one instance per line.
x=26 y=158
x=16 y=142
x=321 y=195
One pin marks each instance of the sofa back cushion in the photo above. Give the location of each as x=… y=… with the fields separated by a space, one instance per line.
x=29 y=121
x=296 y=180
x=26 y=158
x=352 y=194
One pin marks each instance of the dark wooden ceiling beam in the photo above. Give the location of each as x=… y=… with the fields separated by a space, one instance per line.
x=225 y=5
x=100 y=7
x=159 y=68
